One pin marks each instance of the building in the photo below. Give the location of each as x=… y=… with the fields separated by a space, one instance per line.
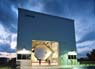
x=48 y=37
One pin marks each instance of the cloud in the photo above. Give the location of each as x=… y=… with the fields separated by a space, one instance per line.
x=6 y=48
x=85 y=47
x=86 y=44
x=13 y=42
x=84 y=27
x=7 y=55
x=4 y=35
x=15 y=11
x=7 y=40
x=8 y=15
x=88 y=36
x=34 y=5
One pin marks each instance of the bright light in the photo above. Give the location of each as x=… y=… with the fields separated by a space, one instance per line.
x=72 y=53
x=24 y=51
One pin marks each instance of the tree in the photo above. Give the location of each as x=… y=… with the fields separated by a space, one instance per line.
x=91 y=56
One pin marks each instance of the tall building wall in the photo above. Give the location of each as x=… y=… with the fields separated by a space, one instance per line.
x=39 y=26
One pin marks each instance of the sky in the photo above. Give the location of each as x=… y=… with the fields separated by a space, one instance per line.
x=81 y=11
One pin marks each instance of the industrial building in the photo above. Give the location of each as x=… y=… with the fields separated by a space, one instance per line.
x=45 y=39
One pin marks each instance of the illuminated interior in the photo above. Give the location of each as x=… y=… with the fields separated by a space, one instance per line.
x=46 y=51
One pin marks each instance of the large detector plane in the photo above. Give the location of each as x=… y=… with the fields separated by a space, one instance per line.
x=45 y=39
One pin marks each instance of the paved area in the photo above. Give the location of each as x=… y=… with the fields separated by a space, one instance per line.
x=27 y=64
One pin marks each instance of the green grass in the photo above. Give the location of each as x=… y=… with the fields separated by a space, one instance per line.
x=4 y=67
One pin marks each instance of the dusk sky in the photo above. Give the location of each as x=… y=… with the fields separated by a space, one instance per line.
x=82 y=11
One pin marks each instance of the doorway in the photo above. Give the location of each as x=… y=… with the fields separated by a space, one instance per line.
x=45 y=52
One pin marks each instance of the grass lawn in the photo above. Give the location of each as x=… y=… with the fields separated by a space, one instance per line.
x=4 y=67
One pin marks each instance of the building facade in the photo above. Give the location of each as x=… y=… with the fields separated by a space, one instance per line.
x=48 y=37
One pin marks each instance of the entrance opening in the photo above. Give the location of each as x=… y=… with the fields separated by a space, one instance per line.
x=45 y=52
